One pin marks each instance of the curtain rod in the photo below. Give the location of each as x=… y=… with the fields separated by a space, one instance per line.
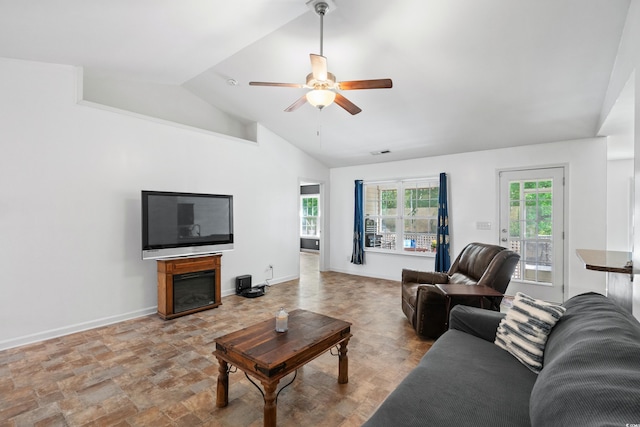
x=390 y=181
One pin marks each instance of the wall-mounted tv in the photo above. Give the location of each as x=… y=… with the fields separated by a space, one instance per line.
x=183 y=224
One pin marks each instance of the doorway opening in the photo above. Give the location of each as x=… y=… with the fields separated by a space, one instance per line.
x=311 y=221
x=532 y=224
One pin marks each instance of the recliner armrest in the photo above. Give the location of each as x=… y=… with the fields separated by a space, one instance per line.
x=426 y=277
x=475 y=321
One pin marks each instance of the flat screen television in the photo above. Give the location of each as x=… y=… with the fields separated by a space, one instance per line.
x=183 y=224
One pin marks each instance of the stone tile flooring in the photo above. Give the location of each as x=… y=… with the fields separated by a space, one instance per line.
x=151 y=372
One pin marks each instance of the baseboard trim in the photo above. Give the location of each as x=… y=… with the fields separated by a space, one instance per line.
x=228 y=292
x=80 y=327
x=395 y=278
x=72 y=329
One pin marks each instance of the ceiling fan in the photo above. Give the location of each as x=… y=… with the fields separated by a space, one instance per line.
x=322 y=83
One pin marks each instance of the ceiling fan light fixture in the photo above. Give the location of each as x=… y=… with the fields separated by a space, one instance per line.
x=321 y=98
x=323 y=84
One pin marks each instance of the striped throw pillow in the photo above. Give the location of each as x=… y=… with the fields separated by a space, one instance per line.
x=524 y=330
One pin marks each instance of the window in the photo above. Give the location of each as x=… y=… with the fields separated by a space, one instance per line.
x=309 y=216
x=401 y=216
x=530 y=227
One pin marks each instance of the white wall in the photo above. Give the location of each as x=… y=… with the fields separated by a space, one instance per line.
x=627 y=66
x=168 y=102
x=70 y=182
x=619 y=187
x=472 y=185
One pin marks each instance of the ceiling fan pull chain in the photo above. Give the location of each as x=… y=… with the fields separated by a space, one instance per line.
x=319 y=127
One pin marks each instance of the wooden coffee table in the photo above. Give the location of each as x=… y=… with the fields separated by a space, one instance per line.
x=268 y=355
x=479 y=291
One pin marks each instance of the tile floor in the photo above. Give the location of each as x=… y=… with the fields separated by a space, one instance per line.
x=151 y=372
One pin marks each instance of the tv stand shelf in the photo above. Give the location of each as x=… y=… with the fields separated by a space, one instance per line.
x=168 y=268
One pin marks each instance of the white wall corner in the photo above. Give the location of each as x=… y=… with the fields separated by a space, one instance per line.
x=79 y=84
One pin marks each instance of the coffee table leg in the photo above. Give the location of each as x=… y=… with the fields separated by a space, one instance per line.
x=343 y=363
x=270 y=404
x=222 y=392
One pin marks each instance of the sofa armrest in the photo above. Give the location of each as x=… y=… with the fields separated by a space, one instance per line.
x=427 y=277
x=475 y=321
x=431 y=316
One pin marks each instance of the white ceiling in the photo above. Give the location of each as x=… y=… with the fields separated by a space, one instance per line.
x=468 y=74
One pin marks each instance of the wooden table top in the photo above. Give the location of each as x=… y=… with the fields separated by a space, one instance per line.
x=468 y=290
x=267 y=354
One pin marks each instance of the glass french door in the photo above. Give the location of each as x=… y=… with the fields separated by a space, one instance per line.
x=532 y=224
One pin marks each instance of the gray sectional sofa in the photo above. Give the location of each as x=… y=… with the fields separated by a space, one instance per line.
x=590 y=376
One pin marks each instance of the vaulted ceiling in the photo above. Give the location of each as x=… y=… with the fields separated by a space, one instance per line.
x=467 y=74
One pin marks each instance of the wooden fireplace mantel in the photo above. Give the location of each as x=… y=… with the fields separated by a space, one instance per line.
x=167 y=268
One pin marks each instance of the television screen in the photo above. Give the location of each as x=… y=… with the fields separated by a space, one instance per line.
x=181 y=224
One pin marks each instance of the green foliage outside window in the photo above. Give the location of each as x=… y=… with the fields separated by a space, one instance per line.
x=421 y=201
x=310 y=206
x=538 y=208
x=389 y=202
x=309 y=226
x=420 y=209
x=401 y=215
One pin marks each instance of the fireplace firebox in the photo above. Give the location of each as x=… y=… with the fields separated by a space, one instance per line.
x=193 y=290
x=188 y=285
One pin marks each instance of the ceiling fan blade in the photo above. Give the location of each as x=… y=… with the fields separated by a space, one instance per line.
x=299 y=103
x=346 y=104
x=366 y=84
x=275 y=84
x=319 y=67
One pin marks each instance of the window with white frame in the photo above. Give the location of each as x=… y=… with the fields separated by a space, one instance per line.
x=401 y=216
x=309 y=215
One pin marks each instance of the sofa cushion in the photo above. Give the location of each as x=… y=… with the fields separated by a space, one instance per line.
x=458 y=377
x=475 y=321
x=591 y=373
x=462 y=279
x=524 y=330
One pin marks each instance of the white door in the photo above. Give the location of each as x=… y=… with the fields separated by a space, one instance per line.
x=531 y=224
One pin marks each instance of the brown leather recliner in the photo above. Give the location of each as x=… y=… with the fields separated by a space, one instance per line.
x=478 y=264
